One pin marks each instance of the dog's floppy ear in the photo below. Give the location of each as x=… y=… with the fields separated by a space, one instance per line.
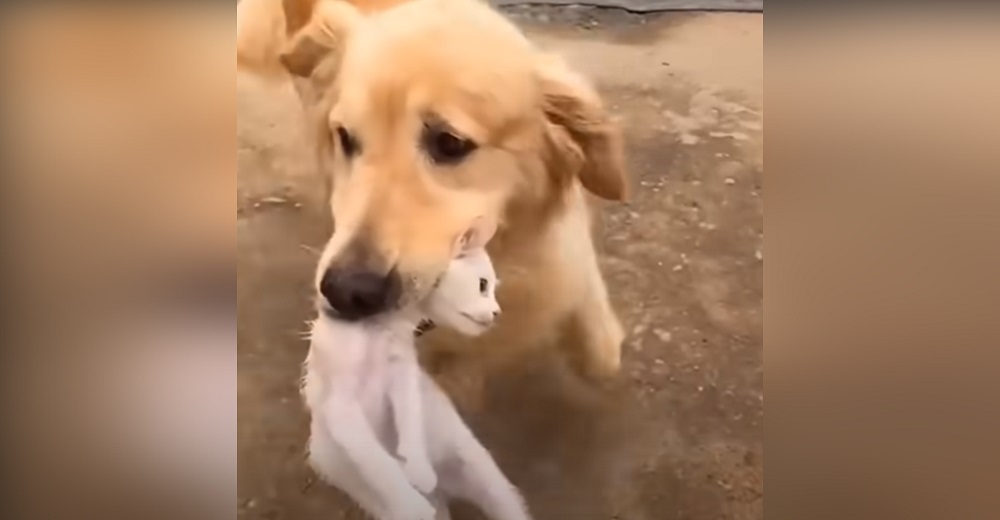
x=584 y=137
x=297 y=14
x=317 y=30
x=260 y=35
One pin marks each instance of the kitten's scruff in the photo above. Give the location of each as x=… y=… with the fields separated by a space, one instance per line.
x=370 y=401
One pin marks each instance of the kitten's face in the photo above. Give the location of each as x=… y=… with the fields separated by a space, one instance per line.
x=465 y=300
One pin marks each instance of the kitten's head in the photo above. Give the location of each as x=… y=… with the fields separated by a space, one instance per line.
x=465 y=299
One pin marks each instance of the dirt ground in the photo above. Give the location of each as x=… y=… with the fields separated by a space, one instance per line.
x=680 y=436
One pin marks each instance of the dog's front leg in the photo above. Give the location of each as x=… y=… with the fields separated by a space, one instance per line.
x=594 y=328
x=347 y=426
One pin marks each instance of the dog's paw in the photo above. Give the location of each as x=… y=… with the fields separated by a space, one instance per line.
x=420 y=474
x=603 y=349
x=606 y=363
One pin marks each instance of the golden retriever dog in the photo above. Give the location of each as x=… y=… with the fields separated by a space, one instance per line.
x=427 y=114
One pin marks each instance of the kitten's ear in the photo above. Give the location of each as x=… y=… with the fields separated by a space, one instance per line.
x=478 y=235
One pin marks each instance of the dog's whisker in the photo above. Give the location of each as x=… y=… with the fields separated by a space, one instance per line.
x=316 y=252
x=308 y=332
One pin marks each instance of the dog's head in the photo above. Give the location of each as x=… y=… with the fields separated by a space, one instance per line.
x=428 y=115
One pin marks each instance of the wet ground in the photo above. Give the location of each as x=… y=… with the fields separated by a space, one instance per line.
x=680 y=435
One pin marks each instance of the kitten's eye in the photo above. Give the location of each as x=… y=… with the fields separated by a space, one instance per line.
x=484 y=286
x=348 y=143
x=445 y=147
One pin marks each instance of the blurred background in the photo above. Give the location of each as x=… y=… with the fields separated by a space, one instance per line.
x=120 y=366
x=881 y=284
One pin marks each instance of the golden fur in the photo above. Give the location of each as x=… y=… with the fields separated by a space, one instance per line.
x=544 y=139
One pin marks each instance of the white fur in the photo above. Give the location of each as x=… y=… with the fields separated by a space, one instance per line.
x=367 y=394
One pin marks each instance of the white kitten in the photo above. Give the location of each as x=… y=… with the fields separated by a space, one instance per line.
x=367 y=394
x=465 y=299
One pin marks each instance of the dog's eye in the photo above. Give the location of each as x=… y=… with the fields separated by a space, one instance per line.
x=445 y=147
x=484 y=286
x=348 y=143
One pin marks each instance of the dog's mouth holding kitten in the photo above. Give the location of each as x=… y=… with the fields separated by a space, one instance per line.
x=478 y=311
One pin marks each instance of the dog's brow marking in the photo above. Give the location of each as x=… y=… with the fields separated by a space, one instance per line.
x=388 y=103
x=438 y=123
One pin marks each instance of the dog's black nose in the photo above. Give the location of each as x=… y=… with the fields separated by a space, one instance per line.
x=358 y=294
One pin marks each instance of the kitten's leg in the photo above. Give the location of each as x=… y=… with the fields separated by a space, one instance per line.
x=440 y=504
x=470 y=472
x=348 y=428
x=407 y=406
x=331 y=464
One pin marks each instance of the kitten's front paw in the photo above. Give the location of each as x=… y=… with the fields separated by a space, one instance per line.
x=415 y=508
x=421 y=474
